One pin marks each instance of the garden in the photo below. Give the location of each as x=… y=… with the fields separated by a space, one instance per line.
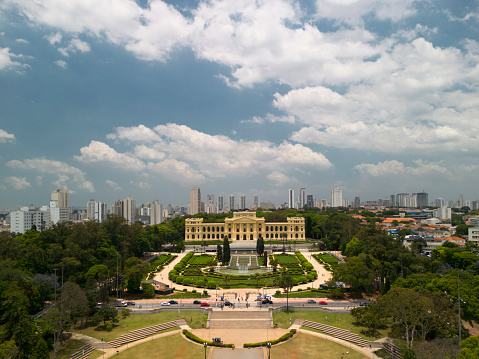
x=199 y=271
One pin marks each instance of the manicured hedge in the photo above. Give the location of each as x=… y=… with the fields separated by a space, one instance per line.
x=273 y=342
x=194 y=338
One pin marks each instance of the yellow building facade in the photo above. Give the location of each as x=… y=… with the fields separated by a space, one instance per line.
x=244 y=226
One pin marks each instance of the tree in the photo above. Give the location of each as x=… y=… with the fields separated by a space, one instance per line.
x=135 y=271
x=226 y=250
x=286 y=282
x=219 y=252
x=106 y=312
x=265 y=258
x=260 y=245
x=74 y=303
x=470 y=348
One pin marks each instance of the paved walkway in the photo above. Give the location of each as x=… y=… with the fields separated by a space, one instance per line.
x=323 y=277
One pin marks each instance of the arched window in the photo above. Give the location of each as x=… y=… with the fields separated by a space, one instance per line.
x=267 y=235
x=251 y=237
x=280 y=228
x=267 y=228
x=276 y=228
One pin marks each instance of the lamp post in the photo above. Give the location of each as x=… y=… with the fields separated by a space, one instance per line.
x=205 y=345
x=269 y=349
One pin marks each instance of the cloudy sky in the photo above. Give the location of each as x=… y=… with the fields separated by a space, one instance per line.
x=117 y=98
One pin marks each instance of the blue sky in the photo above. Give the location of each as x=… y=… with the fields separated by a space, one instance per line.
x=117 y=98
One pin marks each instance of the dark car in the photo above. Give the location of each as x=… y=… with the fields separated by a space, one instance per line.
x=130 y=303
x=266 y=301
x=311 y=301
x=196 y=302
x=364 y=304
x=227 y=303
x=173 y=302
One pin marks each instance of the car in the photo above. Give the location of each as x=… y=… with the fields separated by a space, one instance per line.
x=364 y=304
x=266 y=301
x=322 y=302
x=196 y=302
x=227 y=303
x=173 y=302
x=311 y=301
x=165 y=304
x=205 y=304
x=130 y=303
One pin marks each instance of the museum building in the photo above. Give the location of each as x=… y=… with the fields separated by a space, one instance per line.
x=244 y=226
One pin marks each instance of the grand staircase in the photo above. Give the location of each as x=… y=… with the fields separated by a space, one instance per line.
x=337 y=333
x=237 y=319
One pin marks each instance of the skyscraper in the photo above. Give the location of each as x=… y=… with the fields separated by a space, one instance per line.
x=62 y=197
x=242 y=202
x=232 y=203
x=156 y=214
x=302 y=197
x=310 y=201
x=336 y=197
x=129 y=210
x=255 y=201
x=357 y=202
x=220 y=204
x=422 y=200
x=290 y=198
x=195 y=200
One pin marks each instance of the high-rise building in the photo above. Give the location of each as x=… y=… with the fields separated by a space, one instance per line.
x=290 y=198
x=58 y=214
x=232 y=203
x=255 y=201
x=310 y=201
x=90 y=210
x=156 y=213
x=302 y=197
x=357 y=202
x=195 y=200
x=422 y=200
x=129 y=210
x=461 y=201
x=62 y=197
x=393 y=200
x=117 y=208
x=29 y=216
x=336 y=197
x=242 y=203
x=220 y=204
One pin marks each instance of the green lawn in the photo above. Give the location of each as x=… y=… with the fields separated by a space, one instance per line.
x=195 y=320
x=304 y=294
x=339 y=320
x=69 y=347
x=202 y=259
x=286 y=259
x=182 y=295
x=170 y=347
x=308 y=346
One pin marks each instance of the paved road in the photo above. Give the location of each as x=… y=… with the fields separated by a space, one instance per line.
x=222 y=353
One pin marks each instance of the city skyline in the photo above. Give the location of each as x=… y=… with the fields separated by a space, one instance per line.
x=237 y=98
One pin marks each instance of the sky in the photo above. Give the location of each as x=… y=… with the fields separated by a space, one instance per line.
x=147 y=99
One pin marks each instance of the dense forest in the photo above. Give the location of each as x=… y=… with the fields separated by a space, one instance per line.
x=78 y=263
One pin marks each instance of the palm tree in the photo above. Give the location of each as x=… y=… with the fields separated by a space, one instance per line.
x=257 y=276
x=284 y=236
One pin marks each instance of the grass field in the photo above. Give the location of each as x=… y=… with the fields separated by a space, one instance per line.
x=308 y=346
x=170 y=347
x=339 y=320
x=141 y=321
x=304 y=294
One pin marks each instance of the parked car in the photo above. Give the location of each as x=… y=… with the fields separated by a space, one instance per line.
x=364 y=304
x=227 y=303
x=322 y=302
x=196 y=302
x=311 y=301
x=165 y=304
x=173 y=302
x=205 y=304
x=266 y=301
x=130 y=303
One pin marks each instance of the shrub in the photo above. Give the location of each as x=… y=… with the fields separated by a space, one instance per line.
x=179 y=279
x=211 y=284
x=199 y=283
x=295 y=281
x=187 y=281
x=274 y=341
x=310 y=277
x=196 y=339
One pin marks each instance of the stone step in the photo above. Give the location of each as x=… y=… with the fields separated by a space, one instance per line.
x=234 y=324
x=83 y=352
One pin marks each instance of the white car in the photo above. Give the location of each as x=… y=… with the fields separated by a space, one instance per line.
x=165 y=304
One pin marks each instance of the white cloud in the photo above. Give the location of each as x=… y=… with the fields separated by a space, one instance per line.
x=352 y=11
x=17 y=182
x=6 y=137
x=421 y=97
x=65 y=173
x=99 y=152
x=75 y=45
x=142 y=185
x=115 y=186
x=23 y=41
x=54 y=39
x=6 y=59
x=197 y=156
x=270 y=118
x=61 y=63
x=279 y=178
x=396 y=168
